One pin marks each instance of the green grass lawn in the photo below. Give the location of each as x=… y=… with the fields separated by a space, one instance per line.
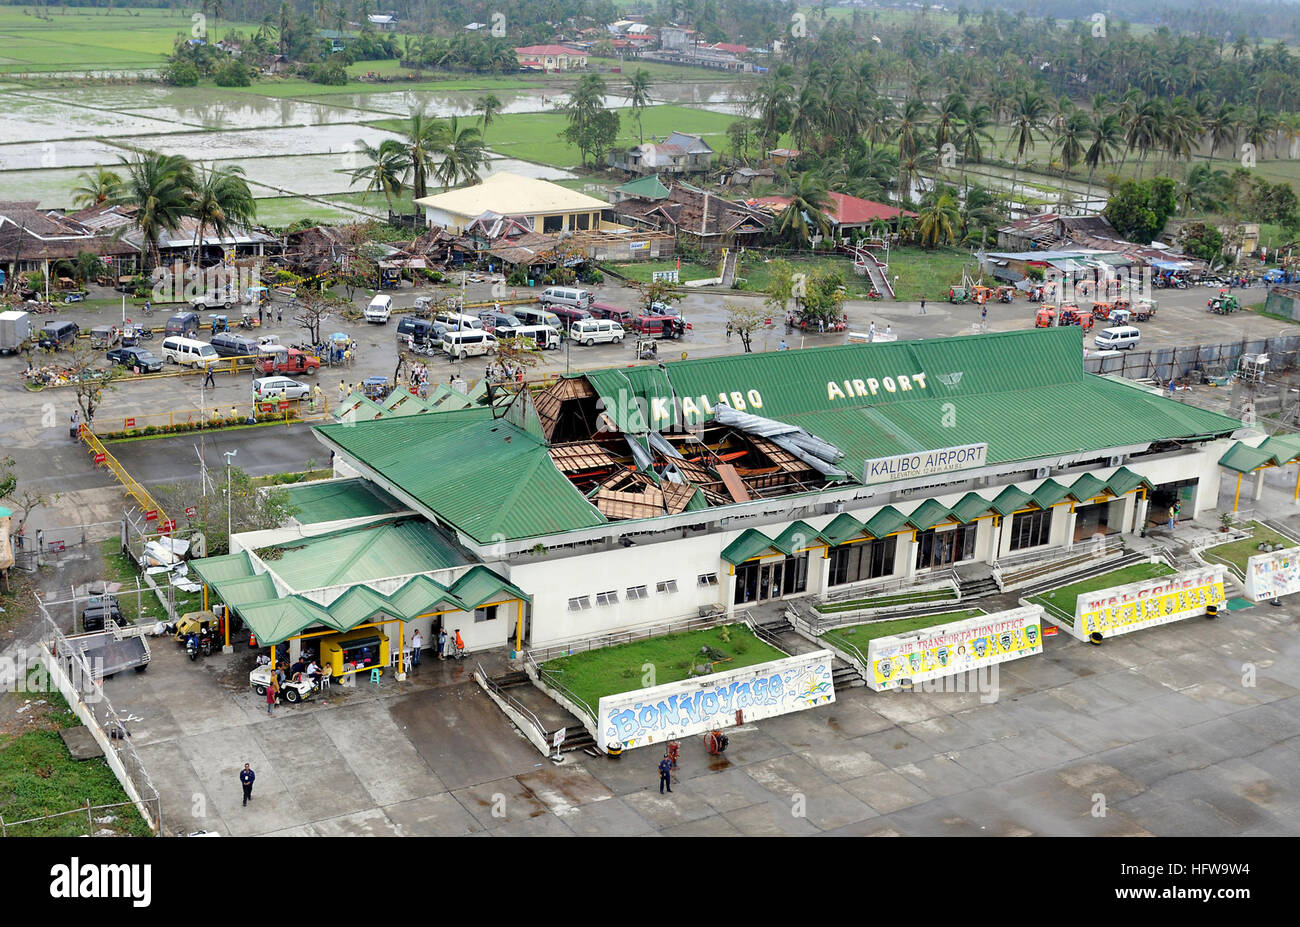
x=859 y=635
x=371 y=200
x=38 y=776
x=928 y=274
x=1062 y=601
x=887 y=601
x=1236 y=553
x=280 y=211
x=641 y=271
x=612 y=670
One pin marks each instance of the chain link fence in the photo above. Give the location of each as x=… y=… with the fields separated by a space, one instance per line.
x=57 y=546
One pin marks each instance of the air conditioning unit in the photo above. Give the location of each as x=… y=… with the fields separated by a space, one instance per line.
x=834 y=508
x=1042 y=473
x=1117 y=460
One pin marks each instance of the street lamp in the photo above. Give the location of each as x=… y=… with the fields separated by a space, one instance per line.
x=230 y=501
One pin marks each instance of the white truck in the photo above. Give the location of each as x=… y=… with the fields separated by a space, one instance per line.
x=15 y=328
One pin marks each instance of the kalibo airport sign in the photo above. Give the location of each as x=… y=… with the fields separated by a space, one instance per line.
x=1148 y=603
x=694 y=706
x=924 y=463
x=1271 y=576
x=956 y=647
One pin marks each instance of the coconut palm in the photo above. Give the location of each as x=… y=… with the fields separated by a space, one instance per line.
x=638 y=94
x=1107 y=136
x=1221 y=127
x=220 y=200
x=158 y=186
x=489 y=107
x=96 y=186
x=1028 y=110
x=1071 y=134
x=973 y=134
x=423 y=136
x=938 y=218
x=389 y=165
x=806 y=212
x=462 y=153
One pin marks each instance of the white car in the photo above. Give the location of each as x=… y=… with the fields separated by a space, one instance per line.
x=279 y=388
x=380 y=308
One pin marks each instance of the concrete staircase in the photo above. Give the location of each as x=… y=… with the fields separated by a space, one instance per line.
x=520 y=687
x=975 y=581
x=780 y=633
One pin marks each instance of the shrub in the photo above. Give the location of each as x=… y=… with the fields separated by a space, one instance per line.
x=181 y=74
x=517 y=277
x=232 y=74
x=330 y=73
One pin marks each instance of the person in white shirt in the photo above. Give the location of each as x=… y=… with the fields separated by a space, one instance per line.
x=416 y=643
x=313 y=672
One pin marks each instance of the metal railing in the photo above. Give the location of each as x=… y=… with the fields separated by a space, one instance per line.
x=628 y=635
x=879 y=588
x=13 y=828
x=1007 y=569
x=133 y=488
x=514 y=703
x=549 y=679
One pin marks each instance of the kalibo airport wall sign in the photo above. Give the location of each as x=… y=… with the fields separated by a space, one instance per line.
x=1270 y=576
x=1148 y=603
x=694 y=706
x=924 y=463
x=956 y=647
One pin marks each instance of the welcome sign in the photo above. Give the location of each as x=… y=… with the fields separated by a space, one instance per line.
x=1270 y=576
x=924 y=463
x=1148 y=603
x=694 y=706
x=956 y=647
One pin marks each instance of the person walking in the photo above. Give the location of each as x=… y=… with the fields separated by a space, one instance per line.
x=74 y=425
x=889 y=331
x=208 y=379
x=922 y=305
x=279 y=316
x=270 y=695
x=260 y=311
x=442 y=643
x=665 y=774
x=343 y=391
x=871 y=332
x=416 y=643
x=246 y=777
x=316 y=396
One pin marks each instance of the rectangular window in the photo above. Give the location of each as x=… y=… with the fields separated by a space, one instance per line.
x=637 y=592
x=938 y=549
x=579 y=603
x=852 y=563
x=607 y=598
x=1031 y=529
x=485 y=614
x=708 y=579
x=666 y=587
x=552 y=224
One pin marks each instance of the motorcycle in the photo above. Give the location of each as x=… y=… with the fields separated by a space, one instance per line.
x=874 y=295
x=206 y=643
x=192 y=647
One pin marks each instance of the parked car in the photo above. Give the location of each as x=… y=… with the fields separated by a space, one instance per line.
x=279 y=359
x=265 y=388
x=659 y=326
x=212 y=300
x=380 y=308
x=570 y=314
x=494 y=321
x=189 y=352
x=185 y=324
x=567 y=296
x=104 y=336
x=613 y=313
x=92 y=618
x=56 y=335
x=229 y=344
x=591 y=331
x=136 y=359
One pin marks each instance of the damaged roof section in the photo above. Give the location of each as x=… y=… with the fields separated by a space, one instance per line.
x=735 y=458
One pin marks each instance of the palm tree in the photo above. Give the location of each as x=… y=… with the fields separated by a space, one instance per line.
x=1027 y=113
x=1221 y=126
x=96 y=187
x=158 y=186
x=806 y=212
x=1259 y=129
x=1145 y=129
x=638 y=94
x=489 y=108
x=389 y=164
x=938 y=218
x=772 y=104
x=973 y=135
x=1107 y=136
x=220 y=198
x=423 y=137
x=1203 y=190
x=1070 y=135
x=462 y=152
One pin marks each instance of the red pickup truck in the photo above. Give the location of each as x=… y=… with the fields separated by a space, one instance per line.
x=287 y=360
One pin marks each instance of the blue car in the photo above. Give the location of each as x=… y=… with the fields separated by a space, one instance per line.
x=136 y=358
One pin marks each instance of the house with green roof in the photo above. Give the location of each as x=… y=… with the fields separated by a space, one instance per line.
x=623 y=496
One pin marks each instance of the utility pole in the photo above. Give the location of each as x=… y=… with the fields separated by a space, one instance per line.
x=230 y=501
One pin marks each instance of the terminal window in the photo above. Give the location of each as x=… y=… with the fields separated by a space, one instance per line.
x=1031 y=529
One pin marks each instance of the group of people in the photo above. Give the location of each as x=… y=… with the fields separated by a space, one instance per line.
x=499 y=371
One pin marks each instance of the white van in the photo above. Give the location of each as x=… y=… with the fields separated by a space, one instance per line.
x=459 y=322
x=380 y=308
x=460 y=345
x=567 y=296
x=546 y=337
x=1119 y=338
x=189 y=353
x=589 y=331
x=531 y=316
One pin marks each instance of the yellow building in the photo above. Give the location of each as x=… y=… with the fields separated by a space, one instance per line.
x=548 y=206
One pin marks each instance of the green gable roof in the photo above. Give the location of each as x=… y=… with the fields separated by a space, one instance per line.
x=799 y=536
x=374 y=551
x=645 y=188
x=486 y=477
x=335 y=500
x=970 y=507
x=1011 y=499
x=480 y=586
x=1049 y=494
x=843 y=527
x=928 y=514
x=1124 y=481
x=1087 y=487
x=749 y=545
x=885 y=522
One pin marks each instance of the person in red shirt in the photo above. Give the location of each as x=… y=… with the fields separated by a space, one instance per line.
x=460 y=641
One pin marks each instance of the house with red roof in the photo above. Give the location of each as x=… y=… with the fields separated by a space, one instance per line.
x=846 y=212
x=550 y=58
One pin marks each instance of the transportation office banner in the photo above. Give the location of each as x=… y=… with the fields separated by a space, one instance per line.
x=1148 y=603
x=1270 y=576
x=956 y=647
x=695 y=706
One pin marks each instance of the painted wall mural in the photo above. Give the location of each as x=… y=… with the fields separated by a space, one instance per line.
x=1148 y=603
x=1270 y=576
x=956 y=647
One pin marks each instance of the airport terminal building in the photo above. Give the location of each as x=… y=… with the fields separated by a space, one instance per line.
x=626 y=496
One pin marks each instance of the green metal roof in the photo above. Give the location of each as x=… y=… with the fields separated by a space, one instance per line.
x=244 y=591
x=1275 y=451
x=335 y=500
x=368 y=552
x=885 y=522
x=798 y=536
x=843 y=527
x=213 y=570
x=276 y=620
x=480 y=474
x=421 y=595
x=749 y=545
x=1087 y=487
x=646 y=188
x=970 y=507
x=1011 y=499
x=929 y=514
x=480 y=586
x=1124 y=481
x=1049 y=494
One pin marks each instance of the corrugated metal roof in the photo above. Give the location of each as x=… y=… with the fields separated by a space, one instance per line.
x=422 y=595
x=1087 y=487
x=885 y=522
x=480 y=586
x=369 y=552
x=483 y=475
x=843 y=527
x=747 y=546
x=334 y=500
x=970 y=507
x=1049 y=493
x=928 y=514
x=798 y=536
x=244 y=591
x=213 y=570
x=276 y=620
x=1124 y=481
x=1011 y=499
